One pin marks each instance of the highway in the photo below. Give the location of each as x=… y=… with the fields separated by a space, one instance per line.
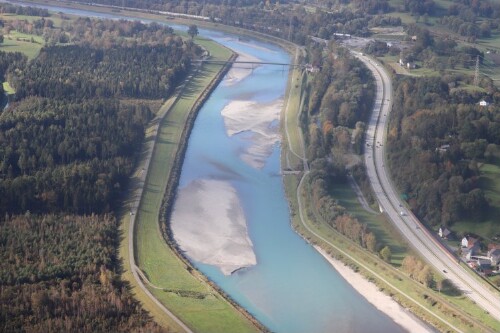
x=404 y=220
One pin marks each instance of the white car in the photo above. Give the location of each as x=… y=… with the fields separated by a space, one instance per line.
x=402 y=213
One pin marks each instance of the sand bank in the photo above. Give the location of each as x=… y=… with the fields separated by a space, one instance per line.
x=261 y=120
x=380 y=300
x=209 y=225
x=240 y=71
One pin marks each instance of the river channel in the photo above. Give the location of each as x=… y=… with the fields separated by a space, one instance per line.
x=292 y=288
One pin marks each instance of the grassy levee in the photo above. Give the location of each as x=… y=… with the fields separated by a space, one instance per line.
x=427 y=303
x=178 y=286
x=291 y=157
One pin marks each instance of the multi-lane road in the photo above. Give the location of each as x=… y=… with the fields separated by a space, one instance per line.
x=389 y=201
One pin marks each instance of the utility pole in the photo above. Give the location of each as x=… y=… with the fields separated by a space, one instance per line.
x=476 y=72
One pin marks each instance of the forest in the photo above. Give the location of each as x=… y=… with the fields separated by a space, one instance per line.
x=438 y=137
x=23 y=10
x=58 y=274
x=69 y=141
x=67 y=155
x=340 y=100
x=77 y=72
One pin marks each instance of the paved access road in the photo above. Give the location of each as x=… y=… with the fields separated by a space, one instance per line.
x=417 y=235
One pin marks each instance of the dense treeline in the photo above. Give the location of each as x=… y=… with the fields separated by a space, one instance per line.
x=98 y=33
x=79 y=72
x=23 y=10
x=283 y=19
x=57 y=275
x=321 y=179
x=67 y=156
x=342 y=94
x=478 y=8
x=341 y=98
x=437 y=137
x=10 y=62
x=420 y=7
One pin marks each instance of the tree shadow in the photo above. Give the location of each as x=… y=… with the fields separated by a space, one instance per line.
x=449 y=289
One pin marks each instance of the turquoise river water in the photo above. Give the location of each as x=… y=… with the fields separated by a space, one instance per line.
x=292 y=288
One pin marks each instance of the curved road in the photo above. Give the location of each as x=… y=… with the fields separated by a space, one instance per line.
x=417 y=235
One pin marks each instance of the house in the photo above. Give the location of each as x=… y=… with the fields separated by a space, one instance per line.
x=483 y=103
x=443 y=148
x=470 y=247
x=494 y=256
x=444 y=232
x=469 y=241
x=408 y=64
x=484 y=266
x=337 y=35
x=311 y=69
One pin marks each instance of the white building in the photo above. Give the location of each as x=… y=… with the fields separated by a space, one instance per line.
x=494 y=255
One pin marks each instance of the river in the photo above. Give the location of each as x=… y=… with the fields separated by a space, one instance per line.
x=292 y=288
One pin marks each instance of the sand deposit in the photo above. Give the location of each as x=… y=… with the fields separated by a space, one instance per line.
x=260 y=120
x=373 y=295
x=209 y=225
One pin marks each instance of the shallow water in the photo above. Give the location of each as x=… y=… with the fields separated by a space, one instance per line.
x=292 y=288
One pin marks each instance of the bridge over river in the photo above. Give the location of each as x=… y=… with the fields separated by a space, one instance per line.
x=251 y=63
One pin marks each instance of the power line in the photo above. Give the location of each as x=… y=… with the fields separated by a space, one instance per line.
x=476 y=73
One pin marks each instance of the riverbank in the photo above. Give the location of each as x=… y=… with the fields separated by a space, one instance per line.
x=358 y=281
x=370 y=291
